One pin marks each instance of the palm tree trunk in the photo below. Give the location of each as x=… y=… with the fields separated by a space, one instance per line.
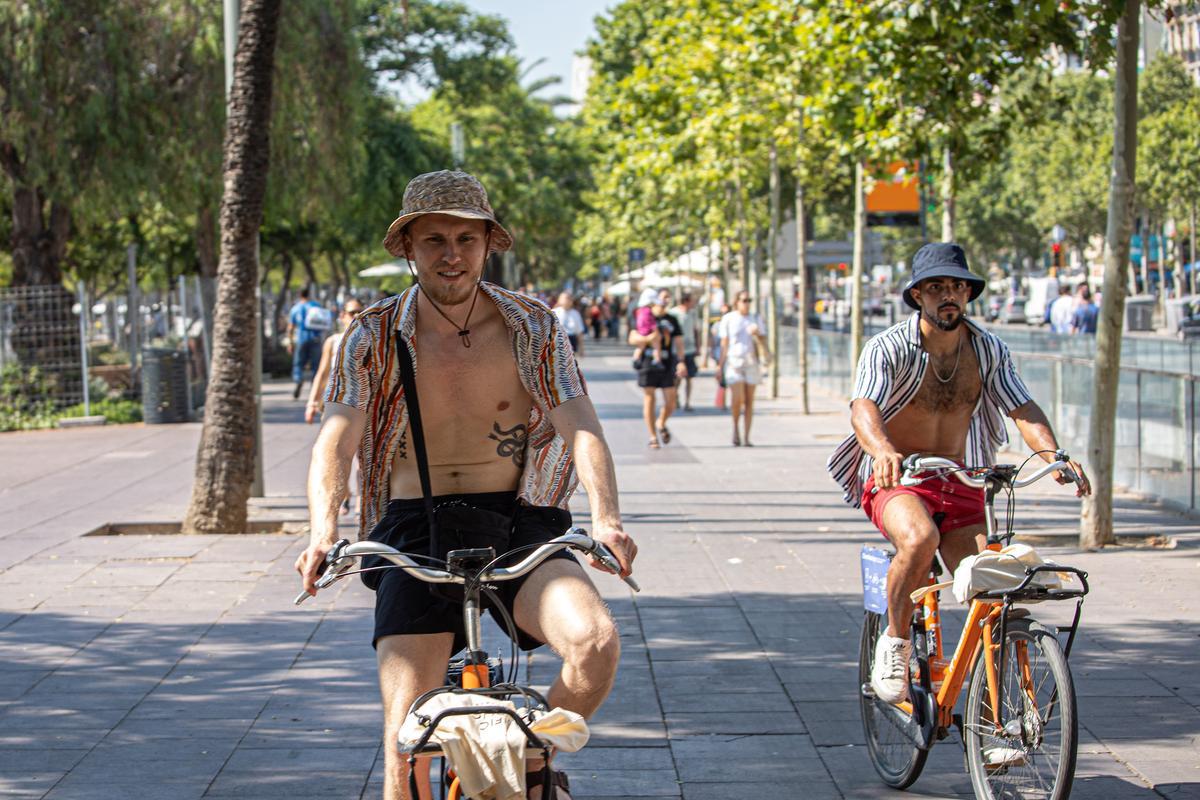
x=1096 y=525
x=225 y=459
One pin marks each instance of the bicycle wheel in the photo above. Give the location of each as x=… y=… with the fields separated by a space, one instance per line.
x=1032 y=754
x=897 y=760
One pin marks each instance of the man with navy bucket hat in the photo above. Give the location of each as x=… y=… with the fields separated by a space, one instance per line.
x=935 y=384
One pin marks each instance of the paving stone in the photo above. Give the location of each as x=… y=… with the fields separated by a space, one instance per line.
x=747 y=723
x=289 y=772
x=626 y=783
x=706 y=759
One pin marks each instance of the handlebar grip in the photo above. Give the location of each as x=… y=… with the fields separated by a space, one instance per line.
x=606 y=557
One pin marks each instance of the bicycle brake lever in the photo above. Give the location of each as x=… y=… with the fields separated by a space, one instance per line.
x=605 y=557
x=330 y=558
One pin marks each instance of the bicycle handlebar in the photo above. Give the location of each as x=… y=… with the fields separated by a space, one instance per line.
x=916 y=464
x=342 y=556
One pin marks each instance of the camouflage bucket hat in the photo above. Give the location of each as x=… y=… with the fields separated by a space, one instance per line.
x=445 y=192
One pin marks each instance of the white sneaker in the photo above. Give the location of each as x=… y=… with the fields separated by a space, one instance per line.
x=889 y=674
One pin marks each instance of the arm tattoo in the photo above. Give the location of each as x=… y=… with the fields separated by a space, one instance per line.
x=511 y=442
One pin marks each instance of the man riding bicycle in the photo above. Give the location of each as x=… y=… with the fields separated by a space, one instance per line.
x=935 y=384
x=506 y=422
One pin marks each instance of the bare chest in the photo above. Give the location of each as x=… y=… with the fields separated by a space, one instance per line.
x=951 y=384
x=474 y=416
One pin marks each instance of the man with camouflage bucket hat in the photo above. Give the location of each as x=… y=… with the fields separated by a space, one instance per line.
x=507 y=425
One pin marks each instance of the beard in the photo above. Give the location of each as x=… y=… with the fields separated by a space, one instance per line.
x=944 y=324
x=446 y=293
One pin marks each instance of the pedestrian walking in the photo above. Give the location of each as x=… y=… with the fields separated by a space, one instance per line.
x=744 y=353
x=596 y=312
x=1062 y=310
x=308 y=323
x=615 y=311
x=1086 y=312
x=316 y=396
x=689 y=320
x=571 y=321
x=658 y=373
x=507 y=423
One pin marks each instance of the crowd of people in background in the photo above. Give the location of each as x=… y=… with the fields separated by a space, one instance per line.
x=1073 y=311
x=664 y=327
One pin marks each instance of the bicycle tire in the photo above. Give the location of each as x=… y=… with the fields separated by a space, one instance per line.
x=897 y=760
x=1054 y=721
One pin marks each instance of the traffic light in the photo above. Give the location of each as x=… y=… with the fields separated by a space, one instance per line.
x=1057 y=256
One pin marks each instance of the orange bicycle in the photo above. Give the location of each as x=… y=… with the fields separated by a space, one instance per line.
x=476 y=674
x=1019 y=727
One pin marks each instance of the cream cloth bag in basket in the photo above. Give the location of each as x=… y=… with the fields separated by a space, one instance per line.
x=992 y=571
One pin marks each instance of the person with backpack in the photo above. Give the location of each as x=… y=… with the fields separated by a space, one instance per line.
x=308 y=324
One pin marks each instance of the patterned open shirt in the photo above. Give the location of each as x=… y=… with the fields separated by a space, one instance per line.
x=366 y=376
x=890 y=372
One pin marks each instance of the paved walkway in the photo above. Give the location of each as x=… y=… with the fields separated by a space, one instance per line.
x=176 y=667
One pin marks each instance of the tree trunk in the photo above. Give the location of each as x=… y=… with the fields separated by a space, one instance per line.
x=1096 y=526
x=856 y=271
x=1162 y=272
x=773 y=272
x=1145 y=259
x=743 y=243
x=207 y=257
x=281 y=298
x=225 y=459
x=948 y=209
x=310 y=273
x=801 y=260
x=803 y=291
x=1192 y=243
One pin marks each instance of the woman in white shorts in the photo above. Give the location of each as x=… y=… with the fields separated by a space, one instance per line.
x=741 y=333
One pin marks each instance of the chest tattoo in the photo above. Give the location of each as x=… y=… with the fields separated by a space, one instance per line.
x=404 y=445
x=511 y=442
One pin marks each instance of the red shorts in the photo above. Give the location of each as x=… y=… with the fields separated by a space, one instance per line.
x=950 y=502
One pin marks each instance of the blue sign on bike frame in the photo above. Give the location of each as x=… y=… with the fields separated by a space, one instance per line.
x=875 y=564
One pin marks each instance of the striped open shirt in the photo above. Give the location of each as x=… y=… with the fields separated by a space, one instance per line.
x=890 y=372
x=366 y=375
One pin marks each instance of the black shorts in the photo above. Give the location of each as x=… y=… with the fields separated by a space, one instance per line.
x=689 y=361
x=404 y=604
x=652 y=376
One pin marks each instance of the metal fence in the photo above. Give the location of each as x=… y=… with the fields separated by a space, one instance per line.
x=1157 y=410
x=51 y=337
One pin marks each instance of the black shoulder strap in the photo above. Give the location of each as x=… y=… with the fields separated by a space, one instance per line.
x=408 y=378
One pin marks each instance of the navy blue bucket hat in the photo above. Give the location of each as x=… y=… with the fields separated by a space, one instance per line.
x=941 y=260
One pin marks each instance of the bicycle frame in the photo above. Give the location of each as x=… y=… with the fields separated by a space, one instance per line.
x=472 y=569
x=979 y=631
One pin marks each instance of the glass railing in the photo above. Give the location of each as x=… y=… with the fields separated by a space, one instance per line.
x=1157 y=407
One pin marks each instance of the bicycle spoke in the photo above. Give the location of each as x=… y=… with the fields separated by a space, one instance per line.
x=1030 y=697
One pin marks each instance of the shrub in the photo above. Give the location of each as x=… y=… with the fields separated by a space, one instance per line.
x=116 y=411
x=25 y=399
